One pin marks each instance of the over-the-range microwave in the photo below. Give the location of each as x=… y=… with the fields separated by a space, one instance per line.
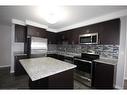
x=91 y=38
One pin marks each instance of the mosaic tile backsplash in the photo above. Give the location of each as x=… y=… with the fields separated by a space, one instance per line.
x=108 y=51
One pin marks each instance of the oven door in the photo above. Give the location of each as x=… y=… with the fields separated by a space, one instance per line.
x=83 y=65
x=83 y=71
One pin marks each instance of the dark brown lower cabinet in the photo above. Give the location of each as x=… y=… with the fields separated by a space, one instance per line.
x=56 y=56
x=60 y=57
x=103 y=76
x=19 y=70
x=52 y=55
x=63 y=80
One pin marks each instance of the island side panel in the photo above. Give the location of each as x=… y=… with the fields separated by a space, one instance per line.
x=63 y=80
x=39 y=84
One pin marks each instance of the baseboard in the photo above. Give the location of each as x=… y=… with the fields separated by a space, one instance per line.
x=118 y=87
x=5 y=66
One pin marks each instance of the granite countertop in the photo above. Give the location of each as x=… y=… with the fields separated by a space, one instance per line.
x=101 y=59
x=68 y=54
x=107 y=61
x=38 y=68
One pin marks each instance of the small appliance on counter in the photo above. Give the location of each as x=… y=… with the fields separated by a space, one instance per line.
x=35 y=47
x=83 y=72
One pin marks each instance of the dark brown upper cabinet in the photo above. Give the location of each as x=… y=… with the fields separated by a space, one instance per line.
x=59 y=38
x=36 y=32
x=108 y=33
x=51 y=37
x=20 y=33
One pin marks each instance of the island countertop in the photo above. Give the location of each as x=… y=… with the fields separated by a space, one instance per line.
x=38 y=68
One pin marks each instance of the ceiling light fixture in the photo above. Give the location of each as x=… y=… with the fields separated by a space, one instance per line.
x=51 y=14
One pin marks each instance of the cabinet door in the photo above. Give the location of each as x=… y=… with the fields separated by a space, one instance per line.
x=109 y=32
x=60 y=57
x=20 y=33
x=59 y=38
x=102 y=76
x=51 y=37
x=56 y=56
x=37 y=32
x=19 y=70
x=52 y=55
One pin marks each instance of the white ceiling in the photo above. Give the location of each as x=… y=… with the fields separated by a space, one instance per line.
x=75 y=14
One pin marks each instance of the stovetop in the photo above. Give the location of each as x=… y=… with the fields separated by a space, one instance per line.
x=89 y=57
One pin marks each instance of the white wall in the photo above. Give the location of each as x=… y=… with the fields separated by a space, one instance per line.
x=122 y=60
x=126 y=72
x=5 y=45
x=15 y=47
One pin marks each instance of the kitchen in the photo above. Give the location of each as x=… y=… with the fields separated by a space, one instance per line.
x=91 y=50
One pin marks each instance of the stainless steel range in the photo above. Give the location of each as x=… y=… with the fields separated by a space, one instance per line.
x=83 y=72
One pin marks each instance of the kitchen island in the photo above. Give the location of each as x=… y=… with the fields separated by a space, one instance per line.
x=48 y=73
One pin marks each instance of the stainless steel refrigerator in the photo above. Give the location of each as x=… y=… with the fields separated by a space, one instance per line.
x=36 y=47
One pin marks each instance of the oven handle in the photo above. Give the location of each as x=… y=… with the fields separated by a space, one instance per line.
x=83 y=60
